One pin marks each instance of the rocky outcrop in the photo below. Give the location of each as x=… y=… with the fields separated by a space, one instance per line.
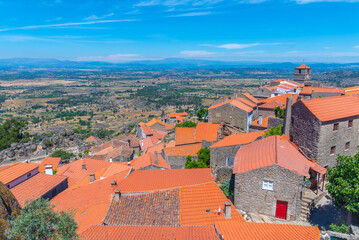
x=64 y=139
x=18 y=150
x=9 y=207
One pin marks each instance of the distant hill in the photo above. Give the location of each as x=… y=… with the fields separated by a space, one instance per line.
x=175 y=63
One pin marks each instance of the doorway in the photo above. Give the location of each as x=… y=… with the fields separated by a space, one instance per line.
x=281 y=210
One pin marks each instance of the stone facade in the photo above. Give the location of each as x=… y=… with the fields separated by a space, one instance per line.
x=287 y=186
x=319 y=95
x=231 y=115
x=302 y=75
x=262 y=93
x=265 y=112
x=178 y=162
x=316 y=138
x=158 y=126
x=220 y=170
x=274 y=122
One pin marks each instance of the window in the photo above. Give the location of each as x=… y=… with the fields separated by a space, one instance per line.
x=230 y=116
x=350 y=123
x=332 y=150
x=229 y=161
x=347 y=146
x=267 y=185
x=335 y=126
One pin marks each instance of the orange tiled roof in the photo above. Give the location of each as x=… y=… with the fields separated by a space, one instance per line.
x=47 y=161
x=174 y=115
x=197 y=200
x=170 y=126
x=233 y=230
x=281 y=98
x=247 y=102
x=152 y=180
x=271 y=105
x=235 y=103
x=264 y=122
x=89 y=202
x=332 y=108
x=253 y=99
x=148 y=142
x=274 y=150
x=149 y=233
x=206 y=131
x=309 y=90
x=148 y=159
x=183 y=150
x=92 y=139
x=154 y=121
x=303 y=66
x=238 y=139
x=185 y=135
x=352 y=90
x=36 y=187
x=74 y=170
x=15 y=171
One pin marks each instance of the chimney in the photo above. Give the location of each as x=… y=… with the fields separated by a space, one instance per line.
x=84 y=166
x=128 y=163
x=110 y=159
x=260 y=120
x=156 y=158
x=235 y=94
x=113 y=183
x=227 y=209
x=288 y=115
x=48 y=170
x=117 y=195
x=92 y=177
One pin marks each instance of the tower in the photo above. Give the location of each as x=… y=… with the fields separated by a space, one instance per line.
x=302 y=73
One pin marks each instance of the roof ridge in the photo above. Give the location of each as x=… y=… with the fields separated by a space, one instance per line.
x=276 y=149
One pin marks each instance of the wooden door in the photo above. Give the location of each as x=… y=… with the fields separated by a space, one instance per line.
x=281 y=210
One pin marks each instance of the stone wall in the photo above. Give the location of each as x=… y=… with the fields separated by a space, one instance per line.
x=229 y=114
x=158 y=126
x=274 y=122
x=178 y=162
x=56 y=190
x=304 y=130
x=265 y=112
x=220 y=170
x=250 y=197
x=262 y=93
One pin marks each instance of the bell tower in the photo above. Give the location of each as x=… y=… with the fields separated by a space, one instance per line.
x=302 y=74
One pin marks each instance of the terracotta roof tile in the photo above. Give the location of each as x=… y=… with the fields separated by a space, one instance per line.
x=170 y=126
x=149 y=233
x=200 y=205
x=36 y=187
x=183 y=150
x=250 y=97
x=309 y=90
x=271 y=105
x=352 y=90
x=154 y=121
x=303 y=66
x=235 y=103
x=233 y=230
x=247 y=102
x=47 y=161
x=206 y=131
x=238 y=139
x=92 y=139
x=185 y=135
x=264 y=122
x=152 y=180
x=92 y=215
x=174 y=115
x=274 y=150
x=332 y=108
x=281 y=98
x=148 y=160
x=15 y=171
x=160 y=208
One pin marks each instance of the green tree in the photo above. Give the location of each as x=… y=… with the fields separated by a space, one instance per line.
x=274 y=131
x=187 y=124
x=343 y=183
x=12 y=131
x=204 y=155
x=279 y=112
x=62 y=154
x=193 y=163
x=39 y=220
x=201 y=114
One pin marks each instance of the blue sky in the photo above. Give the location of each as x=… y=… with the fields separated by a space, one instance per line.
x=229 y=30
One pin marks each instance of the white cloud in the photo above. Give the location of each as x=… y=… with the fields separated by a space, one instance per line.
x=121 y=57
x=94 y=17
x=191 y=14
x=357 y=46
x=196 y=53
x=237 y=46
x=66 y=24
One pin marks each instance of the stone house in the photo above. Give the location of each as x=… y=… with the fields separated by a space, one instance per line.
x=302 y=74
x=174 y=118
x=224 y=151
x=270 y=178
x=233 y=112
x=156 y=124
x=265 y=123
x=319 y=92
x=325 y=127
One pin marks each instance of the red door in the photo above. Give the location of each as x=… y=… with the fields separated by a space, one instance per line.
x=281 y=210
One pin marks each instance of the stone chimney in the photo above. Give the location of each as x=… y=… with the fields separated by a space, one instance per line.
x=288 y=115
x=117 y=195
x=84 y=166
x=156 y=158
x=49 y=170
x=235 y=94
x=113 y=183
x=260 y=120
x=92 y=177
x=227 y=210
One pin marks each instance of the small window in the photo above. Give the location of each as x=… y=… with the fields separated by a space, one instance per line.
x=229 y=161
x=267 y=185
x=332 y=150
x=335 y=126
x=230 y=116
x=350 y=123
x=347 y=146
x=300 y=71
